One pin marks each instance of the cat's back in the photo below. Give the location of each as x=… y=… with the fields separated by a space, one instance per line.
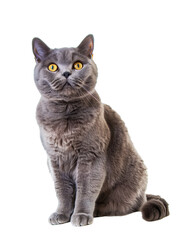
x=121 y=151
x=116 y=125
x=123 y=159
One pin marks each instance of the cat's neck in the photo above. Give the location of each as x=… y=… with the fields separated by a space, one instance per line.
x=66 y=108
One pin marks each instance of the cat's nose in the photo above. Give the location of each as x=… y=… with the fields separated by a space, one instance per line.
x=66 y=74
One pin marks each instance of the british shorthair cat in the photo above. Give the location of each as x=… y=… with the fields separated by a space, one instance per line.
x=94 y=165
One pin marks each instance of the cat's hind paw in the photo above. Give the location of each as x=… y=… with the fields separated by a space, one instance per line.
x=81 y=219
x=56 y=219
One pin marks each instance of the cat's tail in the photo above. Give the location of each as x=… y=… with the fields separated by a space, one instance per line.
x=155 y=208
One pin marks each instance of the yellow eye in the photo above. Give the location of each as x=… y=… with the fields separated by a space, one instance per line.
x=52 y=67
x=78 y=65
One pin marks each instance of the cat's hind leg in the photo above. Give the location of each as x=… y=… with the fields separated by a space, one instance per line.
x=117 y=203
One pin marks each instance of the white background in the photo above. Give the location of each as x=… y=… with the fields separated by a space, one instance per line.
x=138 y=53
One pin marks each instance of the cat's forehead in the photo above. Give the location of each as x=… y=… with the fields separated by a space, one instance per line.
x=65 y=55
x=61 y=54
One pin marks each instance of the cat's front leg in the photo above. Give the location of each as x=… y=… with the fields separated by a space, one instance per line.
x=64 y=188
x=90 y=178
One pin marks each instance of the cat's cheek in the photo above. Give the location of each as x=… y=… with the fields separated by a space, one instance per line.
x=44 y=88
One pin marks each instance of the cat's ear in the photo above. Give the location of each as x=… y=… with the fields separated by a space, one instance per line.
x=86 y=47
x=40 y=49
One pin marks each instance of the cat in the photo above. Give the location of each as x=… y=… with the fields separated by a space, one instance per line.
x=94 y=165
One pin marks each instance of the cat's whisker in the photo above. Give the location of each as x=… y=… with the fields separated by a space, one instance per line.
x=91 y=94
x=86 y=99
x=82 y=93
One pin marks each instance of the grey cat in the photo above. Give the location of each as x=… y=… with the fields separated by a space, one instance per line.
x=94 y=165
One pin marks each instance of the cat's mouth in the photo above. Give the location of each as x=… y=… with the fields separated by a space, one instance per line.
x=60 y=85
x=67 y=85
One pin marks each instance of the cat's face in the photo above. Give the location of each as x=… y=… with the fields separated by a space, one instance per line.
x=65 y=73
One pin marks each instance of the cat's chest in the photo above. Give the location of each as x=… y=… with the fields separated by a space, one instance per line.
x=60 y=140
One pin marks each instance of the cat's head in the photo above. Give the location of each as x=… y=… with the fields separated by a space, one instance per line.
x=65 y=73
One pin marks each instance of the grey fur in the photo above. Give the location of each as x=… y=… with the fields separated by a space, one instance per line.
x=95 y=167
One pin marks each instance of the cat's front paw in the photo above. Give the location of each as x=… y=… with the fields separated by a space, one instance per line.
x=81 y=219
x=56 y=218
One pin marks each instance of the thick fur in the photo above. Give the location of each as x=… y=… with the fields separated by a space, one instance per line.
x=94 y=165
x=155 y=208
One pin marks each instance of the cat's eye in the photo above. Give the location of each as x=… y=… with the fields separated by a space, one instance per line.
x=52 y=67
x=78 y=65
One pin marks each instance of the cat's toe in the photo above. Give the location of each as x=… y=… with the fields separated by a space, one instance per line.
x=56 y=219
x=81 y=219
